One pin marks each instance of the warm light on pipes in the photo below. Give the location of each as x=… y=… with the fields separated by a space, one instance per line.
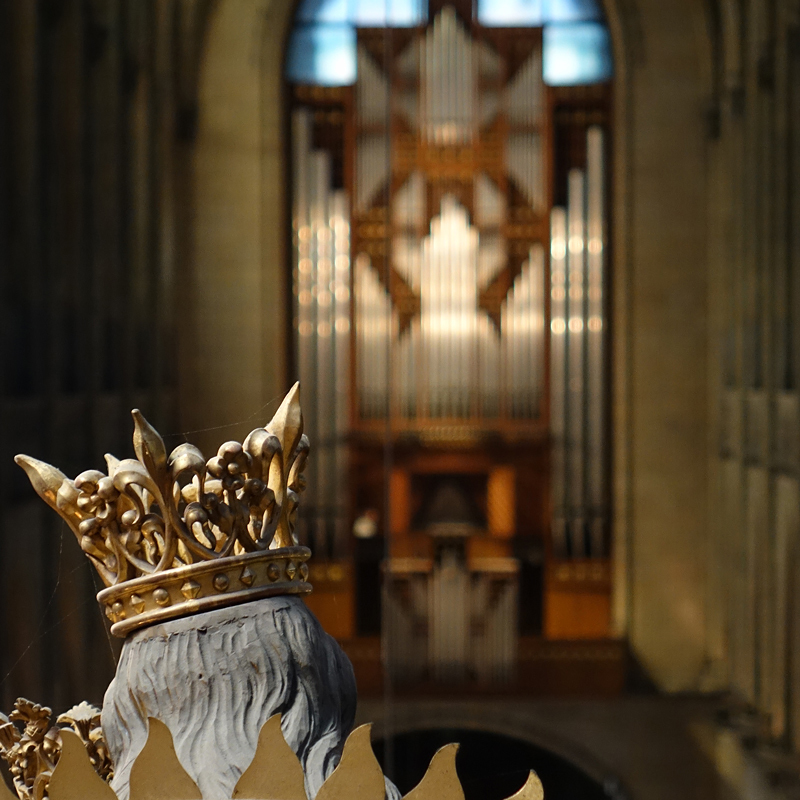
x=575 y=324
x=558 y=248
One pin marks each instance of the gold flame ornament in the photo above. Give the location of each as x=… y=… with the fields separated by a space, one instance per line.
x=174 y=535
x=275 y=773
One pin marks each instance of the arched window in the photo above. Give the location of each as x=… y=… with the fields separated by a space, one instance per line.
x=449 y=209
x=576 y=43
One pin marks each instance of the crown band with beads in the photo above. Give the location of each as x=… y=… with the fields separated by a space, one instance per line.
x=205 y=586
x=175 y=535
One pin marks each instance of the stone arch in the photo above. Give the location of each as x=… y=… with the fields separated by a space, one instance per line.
x=494 y=719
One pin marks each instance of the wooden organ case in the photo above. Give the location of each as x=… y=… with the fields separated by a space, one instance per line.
x=471 y=454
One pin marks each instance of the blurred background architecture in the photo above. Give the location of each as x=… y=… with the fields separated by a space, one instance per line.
x=536 y=264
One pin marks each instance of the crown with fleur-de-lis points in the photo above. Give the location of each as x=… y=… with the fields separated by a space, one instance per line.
x=174 y=535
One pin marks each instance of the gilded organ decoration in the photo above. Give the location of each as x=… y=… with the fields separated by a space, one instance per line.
x=450 y=226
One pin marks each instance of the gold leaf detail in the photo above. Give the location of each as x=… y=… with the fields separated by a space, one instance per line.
x=157 y=773
x=44 y=478
x=221 y=582
x=440 y=782
x=191 y=590
x=247 y=577
x=532 y=790
x=149 y=446
x=161 y=596
x=137 y=603
x=74 y=777
x=358 y=776
x=273 y=572
x=291 y=570
x=275 y=771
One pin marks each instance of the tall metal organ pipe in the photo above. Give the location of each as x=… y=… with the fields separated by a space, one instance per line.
x=322 y=321
x=577 y=361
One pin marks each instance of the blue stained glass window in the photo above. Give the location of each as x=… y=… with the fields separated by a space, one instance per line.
x=322 y=48
x=572 y=11
x=322 y=55
x=502 y=13
x=575 y=54
x=397 y=13
x=324 y=11
x=366 y=13
x=532 y=13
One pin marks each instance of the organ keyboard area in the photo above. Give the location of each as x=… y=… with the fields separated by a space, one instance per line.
x=450 y=254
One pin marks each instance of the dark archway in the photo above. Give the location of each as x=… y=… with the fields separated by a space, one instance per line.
x=491 y=766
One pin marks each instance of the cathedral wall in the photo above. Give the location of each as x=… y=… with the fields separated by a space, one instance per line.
x=235 y=347
x=753 y=258
x=660 y=319
x=90 y=147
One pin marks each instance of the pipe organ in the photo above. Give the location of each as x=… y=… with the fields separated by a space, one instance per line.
x=458 y=370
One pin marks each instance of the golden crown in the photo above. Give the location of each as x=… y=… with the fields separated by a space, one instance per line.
x=174 y=535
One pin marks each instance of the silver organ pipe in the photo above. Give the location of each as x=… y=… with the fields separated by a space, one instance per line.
x=576 y=336
x=536 y=327
x=372 y=153
x=304 y=281
x=558 y=375
x=322 y=265
x=596 y=399
x=525 y=93
x=524 y=160
x=577 y=361
x=375 y=323
x=522 y=330
x=322 y=238
x=449 y=617
x=341 y=333
x=449 y=328
x=524 y=105
x=488 y=366
x=448 y=85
